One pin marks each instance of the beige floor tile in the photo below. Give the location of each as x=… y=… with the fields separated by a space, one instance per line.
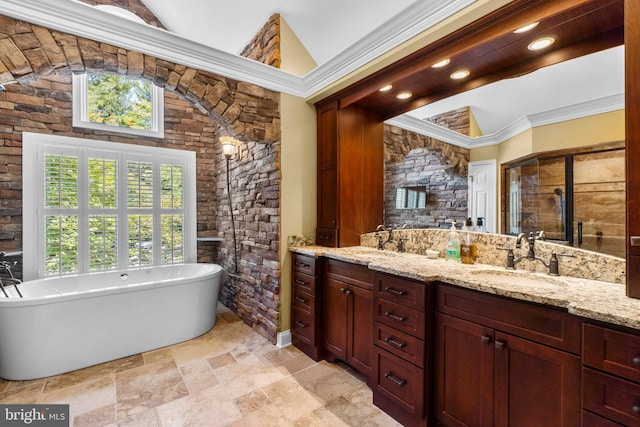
x=267 y=416
x=292 y=399
x=84 y=397
x=3 y=384
x=146 y=418
x=197 y=349
x=211 y=407
x=198 y=376
x=251 y=402
x=322 y=417
x=326 y=381
x=246 y=375
x=295 y=364
x=221 y=360
x=81 y=375
x=229 y=316
x=27 y=392
x=98 y=417
x=157 y=355
x=148 y=386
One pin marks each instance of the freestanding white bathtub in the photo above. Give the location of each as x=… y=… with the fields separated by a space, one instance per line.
x=67 y=323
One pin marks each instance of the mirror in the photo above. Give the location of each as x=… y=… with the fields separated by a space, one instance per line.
x=587 y=211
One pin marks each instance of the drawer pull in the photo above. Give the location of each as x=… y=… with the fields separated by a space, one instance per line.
x=301 y=324
x=301 y=282
x=398 y=381
x=395 y=316
x=300 y=299
x=500 y=345
x=636 y=360
x=395 y=343
x=324 y=237
x=346 y=291
x=394 y=291
x=485 y=339
x=636 y=409
x=302 y=264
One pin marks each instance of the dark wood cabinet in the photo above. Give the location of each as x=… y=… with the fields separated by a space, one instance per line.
x=402 y=348
x=347 y=324
x=610 y=376
x=350 y=174
x=490 y=373
x=305 y=304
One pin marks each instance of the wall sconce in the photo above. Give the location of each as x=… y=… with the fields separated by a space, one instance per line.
x=228 y=146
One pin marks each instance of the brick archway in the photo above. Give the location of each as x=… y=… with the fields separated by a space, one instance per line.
x=29 y=52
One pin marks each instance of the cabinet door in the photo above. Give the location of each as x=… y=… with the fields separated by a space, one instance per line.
x=464 y=373
x=327 y=166
x=535 y=385
x=334 y=317
x=361 y=333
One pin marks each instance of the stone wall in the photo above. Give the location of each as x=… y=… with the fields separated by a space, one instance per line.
x=413 y=160
x=36 y=66
x=134 y=6
x=265 y=46
x=456 y=120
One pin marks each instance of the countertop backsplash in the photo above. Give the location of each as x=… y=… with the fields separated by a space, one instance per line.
x=583 y=264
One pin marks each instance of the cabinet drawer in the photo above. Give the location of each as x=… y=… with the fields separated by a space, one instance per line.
x=402 y=345
x=304 y=282
x=303 y=300
x=545 y=325
x=593 y=420
x=409 y=293
x=399 y=317
x=303 y=325
x=611 y=397
x=612 y=351
x=327 y=237
x=399 y=381
x=353 y=274
x=304 y=263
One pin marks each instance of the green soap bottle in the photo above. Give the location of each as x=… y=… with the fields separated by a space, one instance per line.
x=452 y=251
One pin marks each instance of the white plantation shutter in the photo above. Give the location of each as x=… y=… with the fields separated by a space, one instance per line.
x=102 y=206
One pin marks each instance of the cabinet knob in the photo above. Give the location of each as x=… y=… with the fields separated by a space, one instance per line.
x=636 y=409
x=394 y=291
x=500 y=345
x=485 y=339
x=395 y=316
x=636 y=360
x=392 y=378
x=395 y=343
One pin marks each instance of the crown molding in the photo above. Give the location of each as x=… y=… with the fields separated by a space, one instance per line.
x=582 y=109
x=86 y=21
x=83 y=20
x=410 y=22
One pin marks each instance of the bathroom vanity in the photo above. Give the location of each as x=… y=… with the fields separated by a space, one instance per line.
x=442 y=343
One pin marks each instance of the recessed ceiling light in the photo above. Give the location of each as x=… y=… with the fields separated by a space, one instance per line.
x=526 y=28
x=441 y=64
x=460 y=74
x=386 y=88
x=541 y=43
x=404 y=95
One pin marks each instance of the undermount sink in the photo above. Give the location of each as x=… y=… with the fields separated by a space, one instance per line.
x=522 y=278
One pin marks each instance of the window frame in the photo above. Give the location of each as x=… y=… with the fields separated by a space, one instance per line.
x=81 y=110
x=34 y=148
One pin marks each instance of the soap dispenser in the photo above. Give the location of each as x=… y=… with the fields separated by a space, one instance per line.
x=452 y=251
x=468 y=248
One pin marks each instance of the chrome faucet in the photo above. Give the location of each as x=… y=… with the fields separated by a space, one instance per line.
x=531 y=238
x=382 y=243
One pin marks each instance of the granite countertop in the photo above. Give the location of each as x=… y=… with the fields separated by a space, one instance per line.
x=591 y=299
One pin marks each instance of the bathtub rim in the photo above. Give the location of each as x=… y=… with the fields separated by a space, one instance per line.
x=210 y=272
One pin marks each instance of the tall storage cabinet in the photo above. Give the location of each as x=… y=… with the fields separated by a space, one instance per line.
x=350 y=173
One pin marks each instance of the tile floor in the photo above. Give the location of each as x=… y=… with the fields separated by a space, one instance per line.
x=230 y=376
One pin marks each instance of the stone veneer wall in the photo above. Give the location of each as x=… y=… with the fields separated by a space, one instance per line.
x=412 y=160
x=134 y=6
x=36 y=65
x=455 y=120
x=265 y=45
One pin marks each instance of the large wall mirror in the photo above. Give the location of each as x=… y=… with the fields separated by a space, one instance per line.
x=554 y=125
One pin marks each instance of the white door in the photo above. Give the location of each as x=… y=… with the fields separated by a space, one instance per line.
x=482 y=193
